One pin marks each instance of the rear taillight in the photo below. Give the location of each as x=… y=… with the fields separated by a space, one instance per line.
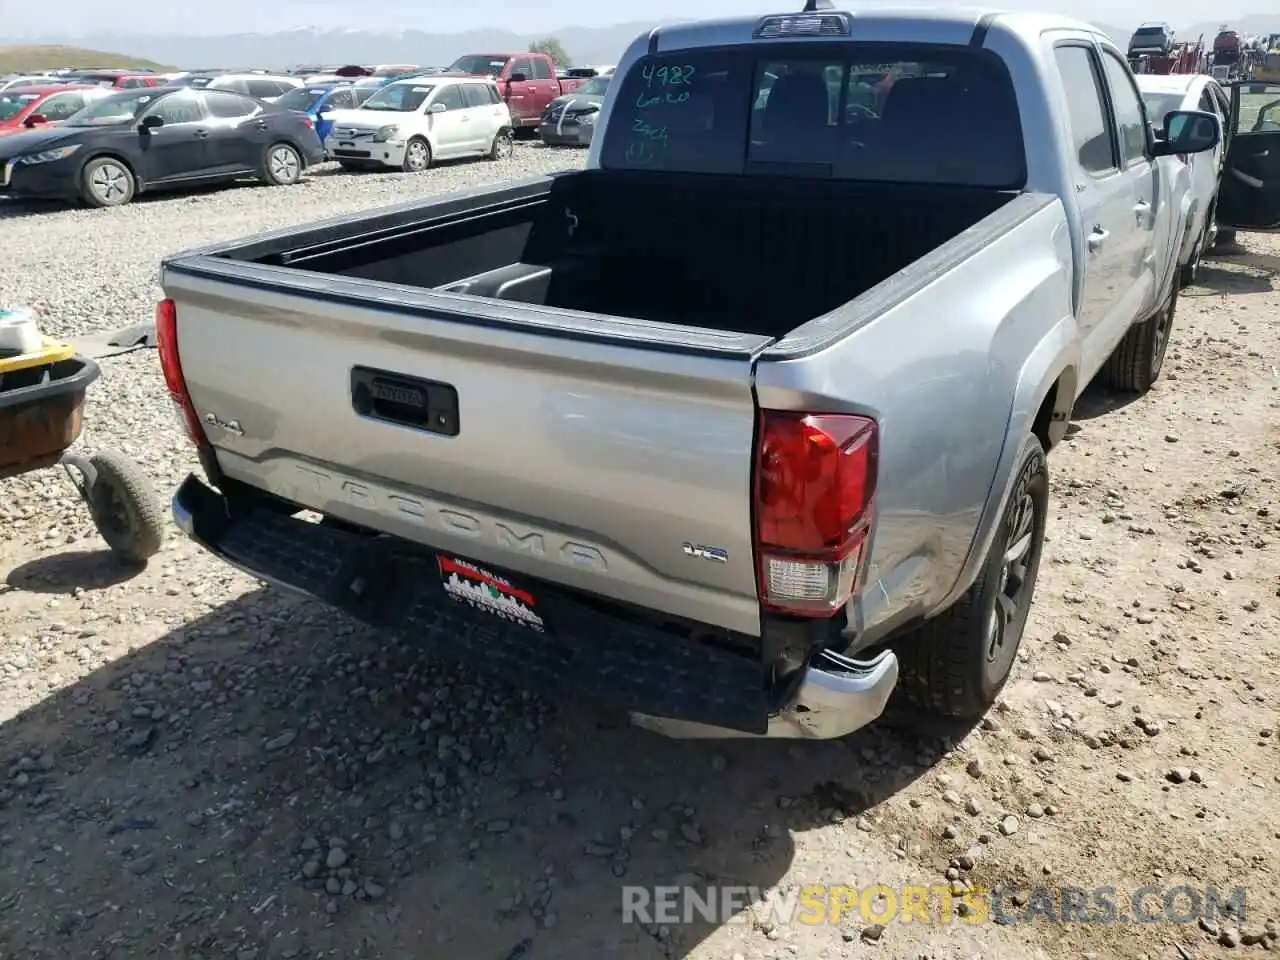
x=815 y=491
x=171 y=364
x=307 y=120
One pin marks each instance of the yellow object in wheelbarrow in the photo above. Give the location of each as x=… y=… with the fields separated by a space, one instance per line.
x=52 y=351
x=42 y=395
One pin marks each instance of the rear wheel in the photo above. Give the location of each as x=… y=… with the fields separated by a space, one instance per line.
x=1226 y=239
x=503 y=145
x=282 y=165
x=107 y=182
x=956 y=664
x=417 y=156
x=1137 y=360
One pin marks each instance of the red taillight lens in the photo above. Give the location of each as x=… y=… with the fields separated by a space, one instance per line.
x=815 y=487
x=171 y=365
x=307 y=121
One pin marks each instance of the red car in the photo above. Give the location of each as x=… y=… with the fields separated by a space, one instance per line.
x=129 y=81
x=22 y=108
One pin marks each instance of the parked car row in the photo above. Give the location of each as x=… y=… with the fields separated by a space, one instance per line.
x=135 y=141
x=117 y=144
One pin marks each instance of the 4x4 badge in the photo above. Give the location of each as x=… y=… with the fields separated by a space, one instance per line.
x=703 y=552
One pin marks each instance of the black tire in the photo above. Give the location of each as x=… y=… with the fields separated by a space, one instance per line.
x=956 y=664
x=107 y=182
x=1137 y=360
x=1226 y=238
x=504 y=144
x=281 y=165
x=1188 y=271
x=125 y=509
x=417 y=156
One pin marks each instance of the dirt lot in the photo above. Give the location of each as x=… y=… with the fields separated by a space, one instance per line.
x=197 y=766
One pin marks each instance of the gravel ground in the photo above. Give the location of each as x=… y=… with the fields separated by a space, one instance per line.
x=198 y=766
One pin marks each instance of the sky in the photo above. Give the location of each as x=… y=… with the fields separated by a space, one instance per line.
x=522 y=16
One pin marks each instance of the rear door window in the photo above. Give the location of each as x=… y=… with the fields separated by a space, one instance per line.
x=62 y=105
x=450 y=96
x=262 y=89
x=229 y=106
x=476 y=95
x=879 y=112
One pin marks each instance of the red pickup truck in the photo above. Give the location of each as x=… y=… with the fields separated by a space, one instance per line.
x=527 y=81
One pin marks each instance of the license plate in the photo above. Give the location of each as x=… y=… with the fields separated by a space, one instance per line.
x=345 y=143
x=469 y=583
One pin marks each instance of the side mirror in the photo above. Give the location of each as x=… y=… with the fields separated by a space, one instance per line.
x=35 y=120
x=517 y=78
x=437 y=108
x=1188 y=131
x=151 y=121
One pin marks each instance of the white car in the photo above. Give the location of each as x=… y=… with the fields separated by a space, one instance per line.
x=410 y=123
x=260 y=86
x=27 y=80
x=1197 y=176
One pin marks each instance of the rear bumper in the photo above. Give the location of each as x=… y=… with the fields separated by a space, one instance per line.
x=568 y=135
x=666 y=682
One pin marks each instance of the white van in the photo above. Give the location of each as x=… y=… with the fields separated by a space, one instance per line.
x=410 y=123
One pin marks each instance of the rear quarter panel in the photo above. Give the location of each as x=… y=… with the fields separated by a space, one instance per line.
x=953 y=356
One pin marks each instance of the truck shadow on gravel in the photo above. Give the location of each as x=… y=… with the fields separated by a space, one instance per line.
x=272 y=780
x=66 y=573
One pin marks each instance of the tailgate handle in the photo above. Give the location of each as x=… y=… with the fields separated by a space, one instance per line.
x=426 y=405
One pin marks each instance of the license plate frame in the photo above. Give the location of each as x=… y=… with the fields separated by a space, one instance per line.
x=469 y=583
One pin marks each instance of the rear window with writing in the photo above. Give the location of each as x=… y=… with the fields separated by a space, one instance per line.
x=858 y=111
x=679 y=113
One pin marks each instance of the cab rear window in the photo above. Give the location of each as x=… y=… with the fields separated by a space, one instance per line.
x=922 y=114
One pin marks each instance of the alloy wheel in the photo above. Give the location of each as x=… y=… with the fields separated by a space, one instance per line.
x=1011 y=595
x=284 y=165
x=109 y=183
x=1160 y=338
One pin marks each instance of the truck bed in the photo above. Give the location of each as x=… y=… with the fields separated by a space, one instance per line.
x=717 y=253
x=451 y=373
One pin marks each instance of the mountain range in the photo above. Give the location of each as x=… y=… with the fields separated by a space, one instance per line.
x=587 y=45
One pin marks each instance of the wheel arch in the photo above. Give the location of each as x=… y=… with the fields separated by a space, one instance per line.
x=1042 y=403
x=100 y=153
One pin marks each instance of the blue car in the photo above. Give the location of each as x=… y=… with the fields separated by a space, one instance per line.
x=319 y=100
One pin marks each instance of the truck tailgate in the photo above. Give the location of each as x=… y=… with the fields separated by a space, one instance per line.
x=586 y=461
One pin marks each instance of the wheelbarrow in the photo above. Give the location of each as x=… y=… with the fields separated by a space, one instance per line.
x=42 y=396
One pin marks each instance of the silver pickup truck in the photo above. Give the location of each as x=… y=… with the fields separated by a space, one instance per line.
x=741 y=425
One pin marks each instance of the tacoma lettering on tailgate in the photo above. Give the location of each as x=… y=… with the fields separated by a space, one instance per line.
x=432 y=515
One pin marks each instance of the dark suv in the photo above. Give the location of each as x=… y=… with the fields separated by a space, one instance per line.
x=1151 y=38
